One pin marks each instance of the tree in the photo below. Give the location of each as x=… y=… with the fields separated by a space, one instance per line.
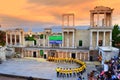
x=115 y=35
x=2 y=38
x=29 y=38
x=41 y=36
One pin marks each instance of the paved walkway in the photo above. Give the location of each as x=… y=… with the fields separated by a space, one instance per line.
x=39 y=68
x=9 y=78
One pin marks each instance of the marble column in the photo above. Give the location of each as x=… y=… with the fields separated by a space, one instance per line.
x=10 y=39
x=48 y=41
x=80 y=55
x=73 y=43
x=76 y=55
x=6 y=38
x=68 y=20
x=66 y=54
x=19 y=39
x=44 y=40
x=84 y=56
x=23 y=39
x=70 y=54
x=104 y=38
x=110 y=38
x=73 y=20
x=91 y=19
x=110 y=20
x=15 y=39
x=91 y=32
x=88 y=56
x=105 y=20
x=62 y=39
x=97 y=41
x=67 y=39
x=97 y=19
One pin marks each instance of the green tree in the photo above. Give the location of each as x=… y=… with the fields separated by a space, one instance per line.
x=115 y=35
x=2 y=38
x=29 y=38
x=41 y=36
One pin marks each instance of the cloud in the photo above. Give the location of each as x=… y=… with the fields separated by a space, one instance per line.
x=55 y=10
x=11 y=21
x=59 y=2
x=45 y=13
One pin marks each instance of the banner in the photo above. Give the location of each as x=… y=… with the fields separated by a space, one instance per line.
x=56 y=42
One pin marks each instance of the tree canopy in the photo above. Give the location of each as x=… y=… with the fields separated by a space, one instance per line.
x=116 y=36
x=29 y=38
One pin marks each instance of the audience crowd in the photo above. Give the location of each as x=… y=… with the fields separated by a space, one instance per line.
x=111 y=71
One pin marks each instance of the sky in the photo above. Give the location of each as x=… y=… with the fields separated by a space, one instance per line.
x=47 y=13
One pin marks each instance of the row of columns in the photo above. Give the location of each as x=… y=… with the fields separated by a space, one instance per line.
x=29 y=53
x=11 y=42
x=104 y=38
x=68 y=39
x=78 y=55
x=68 y=19
x=107 y=18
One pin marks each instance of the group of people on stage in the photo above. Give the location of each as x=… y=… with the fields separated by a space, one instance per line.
x=68 y=72
x=53 y=59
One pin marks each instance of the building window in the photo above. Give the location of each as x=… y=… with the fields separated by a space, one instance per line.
x=100 y=42
x=80 y=42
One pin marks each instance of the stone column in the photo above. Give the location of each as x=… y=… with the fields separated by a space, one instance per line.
x=73 y=43
x=19 y=39
x=23 y=39
x=67 y=39
x=91 y=19
x=68 y=20
x=44 y=40
x=91 y=40
x=110 y=38
x=27 y=54
x=80 y=56
x=84 y=56
x=73 y=20
x=62 y=39
x=110 y=20
x=104 y=38
x=31 y=53
x=105 y=21
x=97 y=39
x=62 y=20
x=97 y=19
x=6 y=38
x=15 y=39
x=88 y=56
x=48 y=41
x=66 y=55
x=76 y=55
x=10 y=39
x=70 y=54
